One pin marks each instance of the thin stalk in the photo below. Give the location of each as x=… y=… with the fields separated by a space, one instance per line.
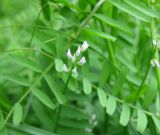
x=111 y=55
x=60 y=106
x=156 y=55
x=153 y=54
x=35 y=26
x=151 y=126
x=109 y=43
x=86 y=20
x=114 y=66
x=152 y=29
x=27 y=49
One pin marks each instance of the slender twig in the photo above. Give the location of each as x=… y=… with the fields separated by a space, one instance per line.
x=156 y=55
x=87 y=19
x=145 y=77
x=35 y=26
x=27 y=49
x=60 y=106
x=28 y=91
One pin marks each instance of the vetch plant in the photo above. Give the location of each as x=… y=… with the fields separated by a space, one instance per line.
x=75 y=60
x=45 y=88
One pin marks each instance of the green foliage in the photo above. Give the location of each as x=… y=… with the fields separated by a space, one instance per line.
x=59 y=65
x=44 y=98
x=15 y=78
x=113 y=90
x=102 y=97
x=141 y=121
x=26 y=63
x=111 y=105
x=17 y=114
x=55 y=89
x=125 y=115
x=87 y=86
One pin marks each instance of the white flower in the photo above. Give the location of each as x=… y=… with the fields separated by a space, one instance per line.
x=156 y=43
x=93 y=117
x=73 y=58
x=78 y=51
x=69 y=55
x=84 y=46
x=89 y=130
x=155 y=63
x=82 y=60
x=95 y=123
x=65 y=69
x=74 y=70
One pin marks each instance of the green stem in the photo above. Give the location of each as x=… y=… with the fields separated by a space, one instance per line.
x=60 y=106
x=35 y=26
x=151 y=126
x=27 y=49
x=114 y=66
x=146 y=74
x=153 y=53
x=27 y=92
x=86 y=20
x=110 y=44
x=124 y=102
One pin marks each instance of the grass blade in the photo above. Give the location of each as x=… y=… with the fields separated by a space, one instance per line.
x=130 y=10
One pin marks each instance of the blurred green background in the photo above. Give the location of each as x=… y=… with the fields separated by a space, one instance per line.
x=120 y=33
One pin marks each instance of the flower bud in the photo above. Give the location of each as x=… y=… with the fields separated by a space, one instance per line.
x=73 y=58
x=84 y=46
x=74 y=70
x=78 y=51
x=155 y=63
x=65 y=69
x=89 y=130
x=82 y=60
x=156 y=43
x=69 y=55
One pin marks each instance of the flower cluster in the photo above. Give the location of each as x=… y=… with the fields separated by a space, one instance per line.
x=155 y=63
x=93 y=121
x=156 y=43
x=75 y=58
